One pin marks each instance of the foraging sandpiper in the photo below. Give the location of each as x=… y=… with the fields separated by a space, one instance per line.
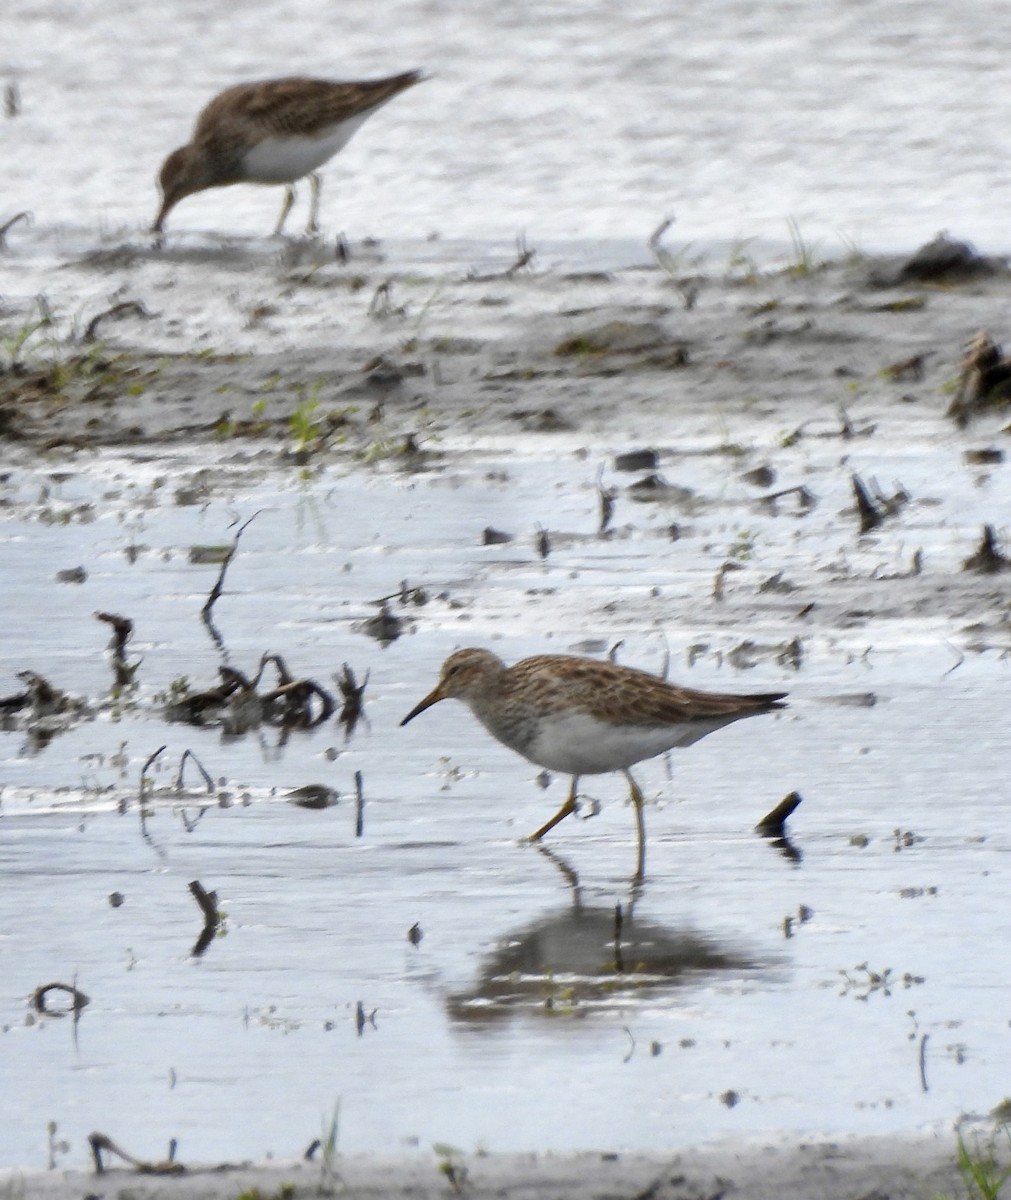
x=581 y=716
x=273 y=132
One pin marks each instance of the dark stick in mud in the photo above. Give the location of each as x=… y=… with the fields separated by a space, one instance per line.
x=773 y=824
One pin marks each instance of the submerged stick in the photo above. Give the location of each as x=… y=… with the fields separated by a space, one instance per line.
x=78 y=1000
x=359 y=805
x=619 y=964
x=187 y=754
x=923 y=1062
x=988 y=559
x=353 y=694
x=219 y=583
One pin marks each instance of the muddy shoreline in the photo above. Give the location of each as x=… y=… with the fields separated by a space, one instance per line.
x=387 y=356
x=900 y=1169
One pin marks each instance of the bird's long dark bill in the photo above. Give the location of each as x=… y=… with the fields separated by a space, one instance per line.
x=433 y=697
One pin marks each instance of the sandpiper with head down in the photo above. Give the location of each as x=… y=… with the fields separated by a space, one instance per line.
x=581 y=716
x=273 y=132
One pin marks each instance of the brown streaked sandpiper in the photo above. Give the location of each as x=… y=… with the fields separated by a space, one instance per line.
x=273 y=132
x=581 y=716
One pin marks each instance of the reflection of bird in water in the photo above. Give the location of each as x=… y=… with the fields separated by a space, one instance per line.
x=585 y=717
x=572 y=960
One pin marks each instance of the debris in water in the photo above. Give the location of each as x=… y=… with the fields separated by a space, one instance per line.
x=353 y=694
x=988 y=560
x=78 y=1000
x=208 y=902
x=314 y=796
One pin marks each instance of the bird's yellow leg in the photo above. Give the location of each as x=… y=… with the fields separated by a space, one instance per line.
x=635 y=795
x=568 y=807
x=289 y=200
x=315 y=183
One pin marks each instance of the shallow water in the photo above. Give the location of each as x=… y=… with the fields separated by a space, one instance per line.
x=512 y=1024
x=876 y=123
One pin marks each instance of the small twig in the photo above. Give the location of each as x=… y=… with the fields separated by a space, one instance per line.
x=660 y=253
x=187 y=754
x=619 y=964
x=404 y=594
x=219 y=583
x=8 y=225
x=124 y=308
x=988 y=560
x=143 y=771
x=870 y=515
x=208 y=902
x=359 y=805
x=99 y=1142
x=958 y=654
x=923 y=1062
x=122 y=631
x=524 y=257
x=381 y=305
x=283 y=674
x=78 y=1000
x=353 y=694
x=631 y=1049
x=297 y=698
x=606 y=497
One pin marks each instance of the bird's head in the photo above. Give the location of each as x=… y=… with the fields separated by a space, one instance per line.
x=465 y=676
x=184 y=172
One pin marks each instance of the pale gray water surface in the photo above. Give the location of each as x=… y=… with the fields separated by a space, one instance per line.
x=878 y=122
x=510 y=1025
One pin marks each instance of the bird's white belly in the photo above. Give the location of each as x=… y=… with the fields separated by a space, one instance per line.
x=579 y=744
x=285 y=159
